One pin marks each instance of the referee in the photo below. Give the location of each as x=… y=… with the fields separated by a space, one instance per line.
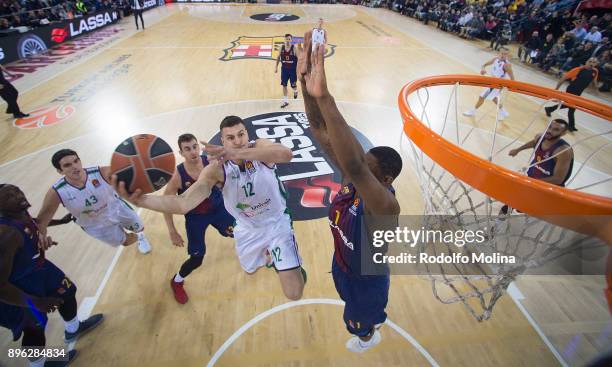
x=579 y=79
x=9 y=93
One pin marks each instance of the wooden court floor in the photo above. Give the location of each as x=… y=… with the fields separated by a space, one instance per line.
x=171 y=79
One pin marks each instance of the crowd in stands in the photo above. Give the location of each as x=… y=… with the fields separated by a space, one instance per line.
x=22 y=15
x=551 y=35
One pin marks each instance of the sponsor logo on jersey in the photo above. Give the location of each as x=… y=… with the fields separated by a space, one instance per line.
x=353 y=209
x=249 y=167
x=267 y=48
x=310 y=179
x=95 y=182
x=45 y=116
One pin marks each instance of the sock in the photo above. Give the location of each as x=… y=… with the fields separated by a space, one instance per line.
x=140 y=236
x=38 y=363
x=285 y=99
x=72 y=325
x=178 y=278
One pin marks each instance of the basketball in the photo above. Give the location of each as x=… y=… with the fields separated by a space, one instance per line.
x=143 y=162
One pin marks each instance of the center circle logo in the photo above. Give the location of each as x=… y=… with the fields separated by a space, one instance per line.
x=311 y=179
x=275 y=17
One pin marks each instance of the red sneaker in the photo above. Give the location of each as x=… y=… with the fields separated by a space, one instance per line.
x=179 y=292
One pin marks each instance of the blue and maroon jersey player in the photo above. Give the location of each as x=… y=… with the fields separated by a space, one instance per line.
x=210 y=204
x=29 y=257
x=547 y=168
x=346 y=222
x=288 y=57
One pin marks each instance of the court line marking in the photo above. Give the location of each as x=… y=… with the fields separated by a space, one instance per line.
x=517 y=296
x=186 y=109
x=310 y=301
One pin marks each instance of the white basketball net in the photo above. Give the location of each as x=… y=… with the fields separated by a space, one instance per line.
x=452 y=204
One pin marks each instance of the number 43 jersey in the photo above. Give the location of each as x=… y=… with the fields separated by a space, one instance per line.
x=94 y=204
x=253 y=194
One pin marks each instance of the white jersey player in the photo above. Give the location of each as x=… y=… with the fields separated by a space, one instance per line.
x=500 y=68
x=88 y=196
x=319 y=36
x=252 y=194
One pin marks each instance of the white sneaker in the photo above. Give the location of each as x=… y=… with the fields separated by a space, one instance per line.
x=143 y=246
x=502 y=114
x=357 y=345
x=469 y=113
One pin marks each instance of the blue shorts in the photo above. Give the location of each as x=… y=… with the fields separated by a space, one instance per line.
x=196 y=225
x=46 y=281
x=288 y=74
x=365 y=299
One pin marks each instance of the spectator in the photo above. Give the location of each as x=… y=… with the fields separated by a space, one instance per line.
x=579 y=31
x=533 y=43
x=601 y=47
x=593 y=36
x=555 y=56
x=544 y=49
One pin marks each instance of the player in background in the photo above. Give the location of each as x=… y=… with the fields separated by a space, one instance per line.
x=501 y=68
x=288 y=59
x=319 y=36
x=88 y=196
x=211 y=211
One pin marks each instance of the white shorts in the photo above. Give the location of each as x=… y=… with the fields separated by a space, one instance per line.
x=113 y=232
x=490 y=93
x=252 y=244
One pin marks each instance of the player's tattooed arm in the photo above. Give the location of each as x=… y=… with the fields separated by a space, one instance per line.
x=63 y=220
x=194 y=195
x=50 y=204
x=11 y=242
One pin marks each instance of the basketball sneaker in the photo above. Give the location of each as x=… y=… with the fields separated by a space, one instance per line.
x=285 y=104
x=469 y=113
x=179 y=292
x=84 y=327
x=71 y=356
x=143 y=245
x=502 y=114
x=357 y=345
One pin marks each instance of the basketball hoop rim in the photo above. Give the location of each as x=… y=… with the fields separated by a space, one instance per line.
x=494 y=180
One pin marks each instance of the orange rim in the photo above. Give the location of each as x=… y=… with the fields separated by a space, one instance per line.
x=494 y=180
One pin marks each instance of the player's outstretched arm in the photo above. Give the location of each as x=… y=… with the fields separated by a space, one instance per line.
x=196 y=193
x=9 y=294
x=50 y=204
x=172 y=189
x=508 y=69
x=315 y=118
x=351 y=157
x=263 y=151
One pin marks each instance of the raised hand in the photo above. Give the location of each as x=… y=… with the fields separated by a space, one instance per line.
x=44 y=241
x=176 y=239
x=316 y=81
x=218 y=152
x=135 y=198
x=303 y=55
x=47 y=304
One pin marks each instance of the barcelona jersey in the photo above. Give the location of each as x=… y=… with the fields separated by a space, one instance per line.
x=210 y=204
x=542 y=168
